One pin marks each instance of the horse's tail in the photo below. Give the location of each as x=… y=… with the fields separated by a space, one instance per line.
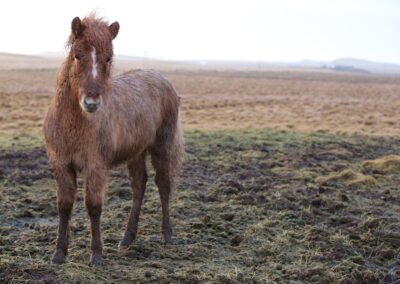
x=176 y=152
x=168 y=150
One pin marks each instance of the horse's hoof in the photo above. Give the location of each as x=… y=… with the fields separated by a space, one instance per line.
x=96 y=260
x=58 y=257
x=168 y=241
x=122 y=247
x=168 y=238
x=124 y=244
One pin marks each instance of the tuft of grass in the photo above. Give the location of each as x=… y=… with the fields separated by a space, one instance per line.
x=347 y=177
x=386 y=164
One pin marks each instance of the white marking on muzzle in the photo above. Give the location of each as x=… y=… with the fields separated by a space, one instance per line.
x=93 y=101
x=94 y=63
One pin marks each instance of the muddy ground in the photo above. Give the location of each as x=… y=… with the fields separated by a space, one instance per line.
x=252 y=206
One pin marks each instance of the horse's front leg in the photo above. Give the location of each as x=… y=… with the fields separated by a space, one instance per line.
x=65 y=178
x=95 y=189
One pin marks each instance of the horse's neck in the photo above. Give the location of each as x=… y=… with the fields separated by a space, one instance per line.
x=66 y=95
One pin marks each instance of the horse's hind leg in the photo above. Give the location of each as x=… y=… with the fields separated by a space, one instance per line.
x=166 y=156
x=164 y=181
x=138 y=178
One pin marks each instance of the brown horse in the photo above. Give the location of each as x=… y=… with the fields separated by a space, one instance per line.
x=96 y=121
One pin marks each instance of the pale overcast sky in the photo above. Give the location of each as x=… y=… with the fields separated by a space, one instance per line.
x=282 y=30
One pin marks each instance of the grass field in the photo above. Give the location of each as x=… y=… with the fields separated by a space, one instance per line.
x=289 y=177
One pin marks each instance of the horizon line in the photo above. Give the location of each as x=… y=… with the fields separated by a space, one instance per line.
x=205 y=60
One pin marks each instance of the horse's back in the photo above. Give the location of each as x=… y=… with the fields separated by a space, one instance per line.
x=144 y=82
x=146 y=93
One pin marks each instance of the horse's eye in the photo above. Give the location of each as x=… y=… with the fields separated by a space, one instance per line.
x=108 y=59
x=77 y=57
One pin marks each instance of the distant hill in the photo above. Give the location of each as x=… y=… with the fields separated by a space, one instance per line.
x=124 y=62
x=370 y=66
x=20 y=61
x=352 y=65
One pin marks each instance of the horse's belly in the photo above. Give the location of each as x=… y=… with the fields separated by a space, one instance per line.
x=129 y=144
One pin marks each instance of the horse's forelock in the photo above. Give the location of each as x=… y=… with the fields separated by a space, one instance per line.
x=96 y=31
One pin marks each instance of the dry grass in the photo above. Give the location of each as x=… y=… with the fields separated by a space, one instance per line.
x=215 y=100
x=388 y=164
x=347 y=177
x=296 y=101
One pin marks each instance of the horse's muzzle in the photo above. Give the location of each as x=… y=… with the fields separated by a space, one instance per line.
x=91 y=104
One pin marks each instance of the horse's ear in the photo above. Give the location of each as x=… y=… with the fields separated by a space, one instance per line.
x=77 y=27
x=114 y=29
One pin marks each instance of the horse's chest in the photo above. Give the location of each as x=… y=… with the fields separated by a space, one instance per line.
x=78 y=146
